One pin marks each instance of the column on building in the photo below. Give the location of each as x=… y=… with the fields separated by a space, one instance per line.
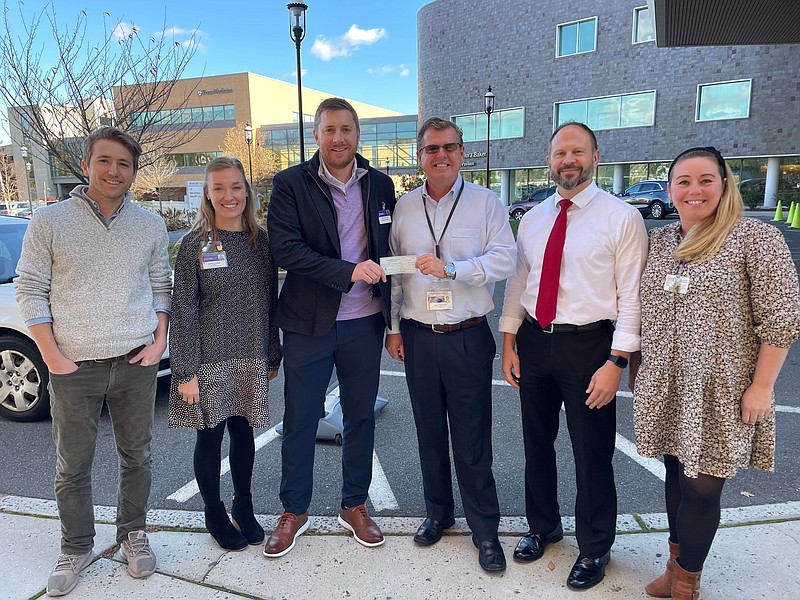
x=505 y=187
x=619 y=179
x=771 y=184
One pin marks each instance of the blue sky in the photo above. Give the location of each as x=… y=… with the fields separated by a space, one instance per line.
x=362 y=49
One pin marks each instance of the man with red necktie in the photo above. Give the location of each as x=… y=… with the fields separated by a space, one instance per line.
x=570 y=320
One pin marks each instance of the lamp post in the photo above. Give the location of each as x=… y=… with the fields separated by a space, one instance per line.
x=488 y=108
x=24 y=151
x=248 y=137
x=387 y=165
x=297 y=31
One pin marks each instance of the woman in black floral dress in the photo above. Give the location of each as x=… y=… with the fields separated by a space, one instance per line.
x=720 y=310
x=224 y=345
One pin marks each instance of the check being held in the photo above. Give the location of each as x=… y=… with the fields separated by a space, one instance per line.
x=395 y=265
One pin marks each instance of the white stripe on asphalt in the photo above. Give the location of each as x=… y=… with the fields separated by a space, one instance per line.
x=788 y=409
x=380 y=492
x=656 y=467
x=190 y=490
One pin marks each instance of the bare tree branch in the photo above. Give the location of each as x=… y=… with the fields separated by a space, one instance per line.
x=125 y=78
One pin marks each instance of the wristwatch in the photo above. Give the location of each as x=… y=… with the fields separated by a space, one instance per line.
x=620 y=361
x=450 y=271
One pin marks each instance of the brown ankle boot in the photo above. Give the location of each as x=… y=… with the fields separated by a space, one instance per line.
x=662 y=587
x=685 y=584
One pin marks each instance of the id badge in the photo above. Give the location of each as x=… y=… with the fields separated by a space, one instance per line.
x=440 y=300
x=214 y=260
x=682 y=284
x=384 y=217
x=669 y=283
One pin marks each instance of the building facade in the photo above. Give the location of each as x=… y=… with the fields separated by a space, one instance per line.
x=597 y=63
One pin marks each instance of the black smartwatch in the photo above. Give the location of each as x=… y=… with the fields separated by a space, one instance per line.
x=618 y=360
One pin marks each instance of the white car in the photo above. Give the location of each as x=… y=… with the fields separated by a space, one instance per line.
x=23 y=374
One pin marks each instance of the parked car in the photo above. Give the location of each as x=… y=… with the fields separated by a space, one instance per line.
x=650 y=197
x=518 y=209
x=23 y=374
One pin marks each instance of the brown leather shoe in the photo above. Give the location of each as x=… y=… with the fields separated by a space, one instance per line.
x=364 y=529
x=288 y=529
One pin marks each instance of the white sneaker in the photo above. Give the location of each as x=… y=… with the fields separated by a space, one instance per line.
x=64 y=576
x=137 y=553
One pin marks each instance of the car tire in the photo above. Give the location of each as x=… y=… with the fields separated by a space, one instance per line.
x=338 y=439
x=23 y=381
x=518 y=214
x=657 y=210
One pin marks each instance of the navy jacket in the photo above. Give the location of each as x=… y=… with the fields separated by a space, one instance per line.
x=305 y=242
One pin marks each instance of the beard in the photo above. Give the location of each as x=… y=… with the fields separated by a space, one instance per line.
x=571 y=184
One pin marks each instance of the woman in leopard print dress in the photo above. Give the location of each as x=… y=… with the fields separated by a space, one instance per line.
x=720 y=310
x=224 y=345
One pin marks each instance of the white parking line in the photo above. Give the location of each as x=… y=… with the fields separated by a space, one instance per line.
x=787 y=409
x=380 y=492
x=655 y=466
x=190 y=489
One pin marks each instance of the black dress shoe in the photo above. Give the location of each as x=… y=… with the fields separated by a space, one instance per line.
x=588 y=572
x=531 y=545
x=431 y=531
x=490 y=555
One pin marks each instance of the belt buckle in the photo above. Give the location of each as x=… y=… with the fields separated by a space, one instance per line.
x=548 y=329
x=433 y=328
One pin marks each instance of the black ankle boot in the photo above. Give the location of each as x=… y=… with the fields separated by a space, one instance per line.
x=245 y=520
x=221 y=528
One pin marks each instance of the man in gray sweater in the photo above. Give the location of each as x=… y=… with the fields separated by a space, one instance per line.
x=94 y=289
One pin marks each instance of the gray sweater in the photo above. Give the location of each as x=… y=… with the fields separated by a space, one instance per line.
x=100 y=285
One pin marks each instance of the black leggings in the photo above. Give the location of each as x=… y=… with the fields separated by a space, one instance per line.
x=208 y=453
x=693 y=509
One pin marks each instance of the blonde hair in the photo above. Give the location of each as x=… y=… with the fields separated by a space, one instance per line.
x=205 y=220
x=703 y=241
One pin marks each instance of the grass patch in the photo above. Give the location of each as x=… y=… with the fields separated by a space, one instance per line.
x=514 y=226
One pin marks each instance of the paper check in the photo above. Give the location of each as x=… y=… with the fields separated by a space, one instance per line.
x=395 y=265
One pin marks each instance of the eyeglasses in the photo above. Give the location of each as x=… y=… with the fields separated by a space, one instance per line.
x=434 y=149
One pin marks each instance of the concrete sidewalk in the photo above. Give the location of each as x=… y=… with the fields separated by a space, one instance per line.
x=755 y=555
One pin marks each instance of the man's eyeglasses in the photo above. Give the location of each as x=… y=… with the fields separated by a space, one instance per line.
x=434 y=149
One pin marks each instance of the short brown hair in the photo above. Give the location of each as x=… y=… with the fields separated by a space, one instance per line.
x=115 y=135
x=583 y=126
x=334 y=104
x=438 y=124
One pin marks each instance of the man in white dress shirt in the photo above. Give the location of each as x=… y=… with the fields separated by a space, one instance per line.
x=460 y=235
x=570 y=320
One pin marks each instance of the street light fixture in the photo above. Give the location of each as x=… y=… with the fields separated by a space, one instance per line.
x=387 y=165
x=488 y=108
x=248 y=137
x=24 y=151
x=297 y=31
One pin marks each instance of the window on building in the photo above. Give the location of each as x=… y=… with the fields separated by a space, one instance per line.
x=726 y=100
x=609 y=112
x=506 y=124
x=642 y=25
x=576 y=37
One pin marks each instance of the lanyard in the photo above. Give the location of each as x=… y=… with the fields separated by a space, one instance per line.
x=450 y=216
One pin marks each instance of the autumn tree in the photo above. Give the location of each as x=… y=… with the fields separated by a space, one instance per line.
x=154 y=177
x=265 y=162
x=8 y=178
x=124 y=77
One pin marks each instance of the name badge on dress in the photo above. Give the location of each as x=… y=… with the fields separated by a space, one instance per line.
x=384 y=216
x=676 y=283
x=440 y=300
x=213 y=257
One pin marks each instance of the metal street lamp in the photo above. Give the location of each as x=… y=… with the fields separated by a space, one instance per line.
x=24 y=151
x=297 y=31
x=488 y=108
x=387 y=165
x=248 y=137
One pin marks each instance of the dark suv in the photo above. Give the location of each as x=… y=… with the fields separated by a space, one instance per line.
x=650 y=197
x=518 y=209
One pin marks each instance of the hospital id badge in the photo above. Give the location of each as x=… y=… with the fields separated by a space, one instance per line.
x=440 y=300
x=214 y=260
x=384 y=217
x=676 y=283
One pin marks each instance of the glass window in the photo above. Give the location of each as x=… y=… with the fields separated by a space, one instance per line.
x=511 y=123
x=387 y=128
x=642 y=25
x=407 y=126
x=603 y=113
x=467 y=124
x=610 y=112
x=576 y=38
x=728 y=100
x=230 y=112
x=368 y=128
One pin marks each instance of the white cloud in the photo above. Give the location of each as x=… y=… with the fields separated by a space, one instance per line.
x=343 y=46
x=187 y=38
x=401 y=70
x=123 y=30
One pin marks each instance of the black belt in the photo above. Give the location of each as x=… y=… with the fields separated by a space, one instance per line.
x=567 y=328
x=444 y=328
x=112 y=359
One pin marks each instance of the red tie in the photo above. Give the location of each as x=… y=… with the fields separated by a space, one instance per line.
x=551 y=268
